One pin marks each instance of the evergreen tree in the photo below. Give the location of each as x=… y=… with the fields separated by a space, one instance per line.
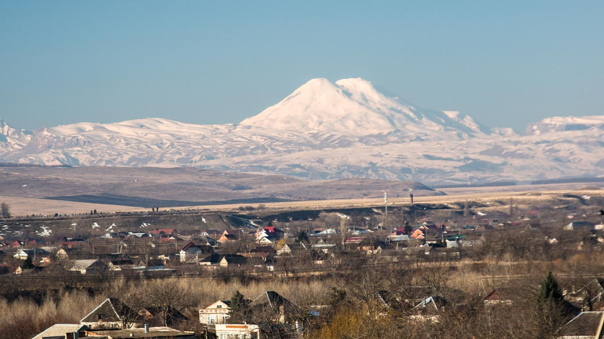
x=240 y=309
x=549 y=291
x=408 y=228
x=552 y=310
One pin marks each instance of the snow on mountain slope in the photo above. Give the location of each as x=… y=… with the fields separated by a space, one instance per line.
x=325 y=130
x=557 y=124
x=12 y=138
x=354 y=107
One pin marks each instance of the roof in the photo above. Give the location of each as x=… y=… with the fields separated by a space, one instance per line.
x=586 y=325
x=166 y=231
x=154 y=332
x=271 y=299
x=234 y=258
x=433 y=303
x=59 y=331
x=110 y=310
x=219 y=302
x=82 y=264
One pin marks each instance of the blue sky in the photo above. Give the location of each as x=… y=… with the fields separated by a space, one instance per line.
x=506 y=63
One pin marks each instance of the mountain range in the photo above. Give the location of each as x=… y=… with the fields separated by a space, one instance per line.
x=325 y=130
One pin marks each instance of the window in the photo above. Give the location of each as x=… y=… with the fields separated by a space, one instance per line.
x=211 y=319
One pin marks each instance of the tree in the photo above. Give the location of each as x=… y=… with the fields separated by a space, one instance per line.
x=167 y=296
x=28 y=263
x=552 y=309
x=5 y=210
x=549 y=290
x=240 y=309
x=408 y=228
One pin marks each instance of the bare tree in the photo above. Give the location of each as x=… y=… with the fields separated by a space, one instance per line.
x=166 y=296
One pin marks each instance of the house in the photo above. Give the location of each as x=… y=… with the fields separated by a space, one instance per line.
x=580 y=225
x=418 y=234
x=214 y=234
x=229 y=260
x=398 y=236
x=62 y=254
x=285 y=250
x=590 y=295
x=156 y=316
x=495 y=298
x=237 y=331
x=164 y=232
x=36 y=253
x=317 y=232
x=223 y=260
x=263 y=252
x=121 y=264
x=217 y=313
x=72 y=242
x=270 y=233
x=62 y=331
x=585 y=325
x=279 y=308
x=191 y=252
x=15 y=244
x=111 y=314
x=229 y=235
x=88 y=266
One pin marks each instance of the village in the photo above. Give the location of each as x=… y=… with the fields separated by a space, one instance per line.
x=381 y=271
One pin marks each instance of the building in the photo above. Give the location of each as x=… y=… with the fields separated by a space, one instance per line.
x=63 y=331
x=586 y=325
x=237 y=331
x=88 y=266
x=217 y=313
x=111 y=314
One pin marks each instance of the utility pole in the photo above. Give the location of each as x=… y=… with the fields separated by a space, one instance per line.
x=386 y=209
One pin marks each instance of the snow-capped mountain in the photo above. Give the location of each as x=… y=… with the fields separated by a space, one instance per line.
x=12 y=138
x=327 y=130
x=557 y=124
x=354 y=107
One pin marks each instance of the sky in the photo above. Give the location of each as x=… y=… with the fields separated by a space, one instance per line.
x=505 y=63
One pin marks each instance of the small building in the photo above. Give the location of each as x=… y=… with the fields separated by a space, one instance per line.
x=191 y=252
x=217 y=313
x=580 y=225
x=88 y=266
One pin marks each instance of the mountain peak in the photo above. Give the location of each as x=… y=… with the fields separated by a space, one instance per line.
x=355 y=107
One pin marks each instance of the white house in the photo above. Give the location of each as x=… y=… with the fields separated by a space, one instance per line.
x=217 y=313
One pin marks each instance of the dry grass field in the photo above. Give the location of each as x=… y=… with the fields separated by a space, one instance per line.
x=29 y=206
x=50 y=190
